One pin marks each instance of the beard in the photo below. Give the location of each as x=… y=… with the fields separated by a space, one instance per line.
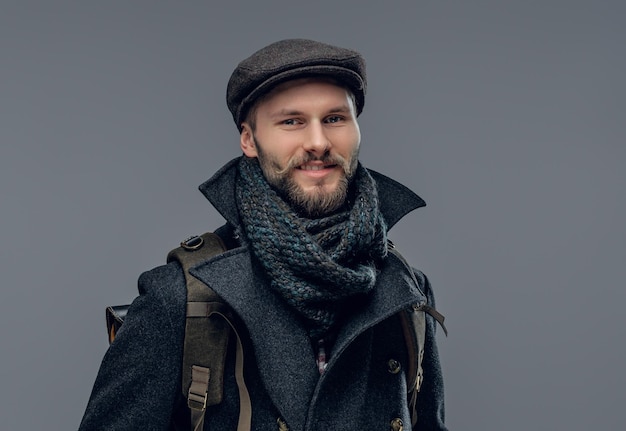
x=319 y=201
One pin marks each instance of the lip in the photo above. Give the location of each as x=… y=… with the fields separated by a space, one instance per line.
x=316 y=170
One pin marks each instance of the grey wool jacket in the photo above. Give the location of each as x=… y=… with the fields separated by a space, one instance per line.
x=138 y=386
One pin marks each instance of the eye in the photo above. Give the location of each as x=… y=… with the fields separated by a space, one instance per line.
x=290 y=122
x=334 y=119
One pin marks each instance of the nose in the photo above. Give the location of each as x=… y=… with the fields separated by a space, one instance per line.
x=316 y=140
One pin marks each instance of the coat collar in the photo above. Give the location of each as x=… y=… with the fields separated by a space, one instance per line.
x=282 y=348
x=396 y=200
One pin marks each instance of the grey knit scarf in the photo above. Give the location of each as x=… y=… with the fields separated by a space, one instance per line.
x=314 y=264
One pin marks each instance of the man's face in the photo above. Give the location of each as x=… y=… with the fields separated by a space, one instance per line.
x=306 y=138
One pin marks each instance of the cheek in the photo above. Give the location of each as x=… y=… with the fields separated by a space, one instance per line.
x=350 y=140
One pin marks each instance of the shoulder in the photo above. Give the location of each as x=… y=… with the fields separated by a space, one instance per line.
x=162 y=291
x=422 y=280
x=165 y=280
x=139 y=378
x=160 y=305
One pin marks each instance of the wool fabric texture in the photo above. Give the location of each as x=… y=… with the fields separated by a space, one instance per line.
x=291 y=59
x=314 y=264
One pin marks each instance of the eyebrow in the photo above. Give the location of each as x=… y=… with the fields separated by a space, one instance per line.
x=290 y=112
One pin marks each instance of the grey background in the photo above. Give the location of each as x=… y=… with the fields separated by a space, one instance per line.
x=506 y=117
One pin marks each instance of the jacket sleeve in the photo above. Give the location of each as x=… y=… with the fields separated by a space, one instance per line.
x=430 y=401
x=139 y=379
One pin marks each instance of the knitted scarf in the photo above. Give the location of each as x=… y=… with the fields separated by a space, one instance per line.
x=315 y=265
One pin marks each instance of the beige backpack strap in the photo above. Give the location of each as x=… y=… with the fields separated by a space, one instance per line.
x=413 y=322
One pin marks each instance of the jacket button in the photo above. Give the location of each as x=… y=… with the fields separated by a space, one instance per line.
x=396 y=425
x=282 y=425
x=393 y=366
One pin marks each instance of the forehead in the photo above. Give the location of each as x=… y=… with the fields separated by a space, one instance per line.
x=303 y=87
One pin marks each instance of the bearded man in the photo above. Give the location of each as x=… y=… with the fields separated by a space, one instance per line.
x=309 y=274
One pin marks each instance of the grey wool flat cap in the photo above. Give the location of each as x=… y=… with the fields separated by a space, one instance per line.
x=291 y=59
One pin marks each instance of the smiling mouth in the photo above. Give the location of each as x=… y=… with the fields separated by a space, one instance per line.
x=315 y=167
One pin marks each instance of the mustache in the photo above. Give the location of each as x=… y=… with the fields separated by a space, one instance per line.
x=326 y=159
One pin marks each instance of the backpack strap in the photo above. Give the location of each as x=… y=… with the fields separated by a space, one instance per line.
x=208 y=326
x=413 y=323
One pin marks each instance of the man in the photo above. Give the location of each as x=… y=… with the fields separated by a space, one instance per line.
x=308 y=272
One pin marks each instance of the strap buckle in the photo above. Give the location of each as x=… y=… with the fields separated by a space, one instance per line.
x=197 y=395
x=192 y=243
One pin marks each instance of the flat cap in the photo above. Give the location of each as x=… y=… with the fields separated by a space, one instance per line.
x=291 y=59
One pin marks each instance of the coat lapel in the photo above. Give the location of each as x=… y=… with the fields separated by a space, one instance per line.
x=282 y=348
x=395 y=290
x=284 y=355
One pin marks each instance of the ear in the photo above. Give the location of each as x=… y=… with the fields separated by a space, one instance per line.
x=246 y=141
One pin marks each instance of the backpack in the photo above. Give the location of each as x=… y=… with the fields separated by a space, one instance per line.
x=210 y=322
